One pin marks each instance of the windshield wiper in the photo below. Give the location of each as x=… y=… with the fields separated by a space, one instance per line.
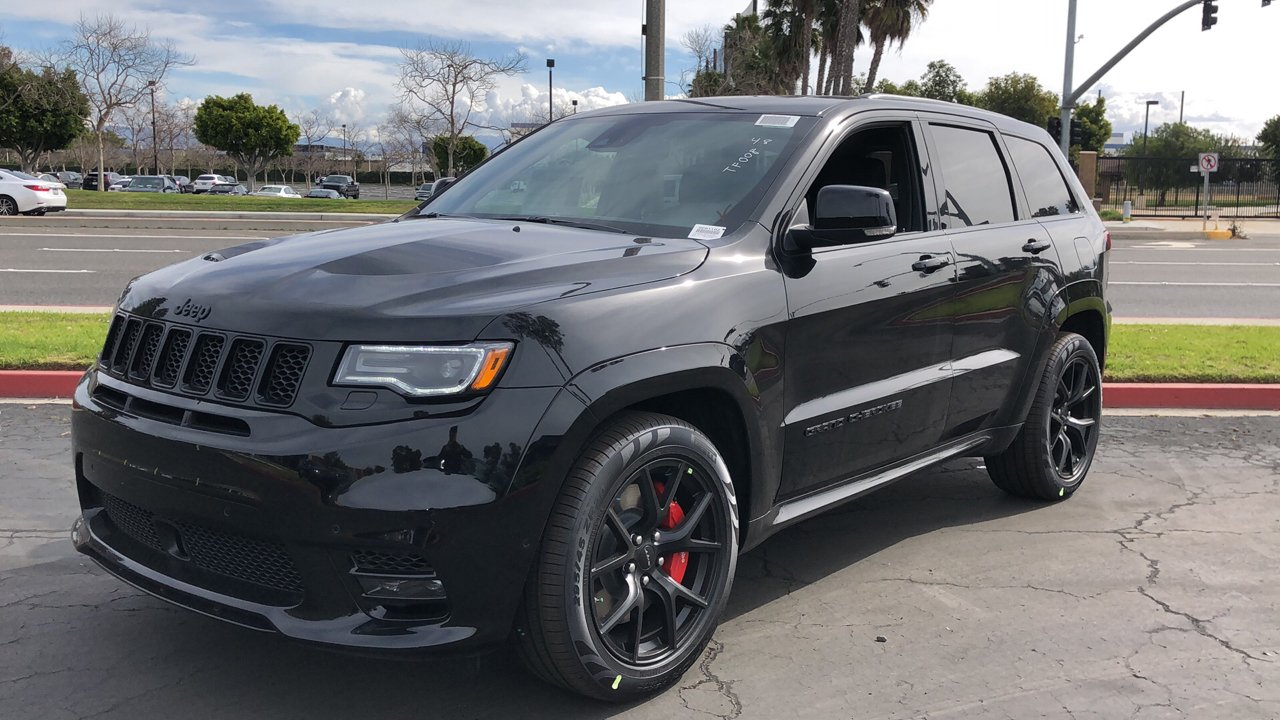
x=432 y=215
x=566 y=222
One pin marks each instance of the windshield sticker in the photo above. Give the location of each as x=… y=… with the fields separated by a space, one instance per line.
x=782 y=121
x=706 y=232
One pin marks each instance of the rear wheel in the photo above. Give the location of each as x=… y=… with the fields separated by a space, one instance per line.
x=1052 y=453
x=637 y=562
x=8 y=206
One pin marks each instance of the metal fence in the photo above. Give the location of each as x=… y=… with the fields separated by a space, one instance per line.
x=1164 y=187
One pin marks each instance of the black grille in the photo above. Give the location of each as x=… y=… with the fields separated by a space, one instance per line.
x=390 y=561
x=124 y=350
x=203 y=363
x=261 y=562
x=131 y=520
x=187 y=361
x=284 y=373
x=170 y=365
x=148 y=347
x=241 y=367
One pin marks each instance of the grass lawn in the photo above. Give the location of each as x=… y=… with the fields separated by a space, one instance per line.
x=1139 y=353
x=92 y=200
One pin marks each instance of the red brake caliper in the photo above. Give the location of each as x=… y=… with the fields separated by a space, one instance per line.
x=677 y=563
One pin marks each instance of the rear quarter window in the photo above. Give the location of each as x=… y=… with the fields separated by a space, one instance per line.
x=1047 y=191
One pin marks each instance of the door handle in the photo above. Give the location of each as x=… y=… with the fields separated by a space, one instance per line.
x=1034 y=246
x=930 y=263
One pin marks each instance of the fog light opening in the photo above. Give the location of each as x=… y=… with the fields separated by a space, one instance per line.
x=401 y=588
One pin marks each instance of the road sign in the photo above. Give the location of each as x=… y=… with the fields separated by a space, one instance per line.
x=1208 y=162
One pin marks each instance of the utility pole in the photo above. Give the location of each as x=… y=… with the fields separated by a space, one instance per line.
x=654 y=31
x=1068 y=102
x=155 y=139
x=1181 y=103
x=551 y=106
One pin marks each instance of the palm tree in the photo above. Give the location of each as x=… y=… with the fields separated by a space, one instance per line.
x=790 y=26
x=889 y=22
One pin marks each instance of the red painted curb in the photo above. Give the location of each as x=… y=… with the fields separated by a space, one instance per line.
x=1225 y=396
x=1222 y=396
x=38 y=383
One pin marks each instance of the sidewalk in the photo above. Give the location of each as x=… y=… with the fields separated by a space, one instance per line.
x=1193 y=229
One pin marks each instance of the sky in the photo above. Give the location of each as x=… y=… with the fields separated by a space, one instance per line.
x=341 y=57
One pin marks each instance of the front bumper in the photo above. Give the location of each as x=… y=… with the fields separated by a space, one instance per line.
x=281 y=530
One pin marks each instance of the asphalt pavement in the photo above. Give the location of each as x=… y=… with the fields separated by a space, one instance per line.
x=1150 y=594
x=43 y=263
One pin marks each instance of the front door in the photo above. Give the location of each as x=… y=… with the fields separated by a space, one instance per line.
x=869 y=329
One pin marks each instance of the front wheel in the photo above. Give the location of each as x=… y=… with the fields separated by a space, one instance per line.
x=1052 y=453
x=637 y=562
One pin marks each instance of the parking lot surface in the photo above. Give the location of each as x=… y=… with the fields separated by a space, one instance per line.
x=1153 y=593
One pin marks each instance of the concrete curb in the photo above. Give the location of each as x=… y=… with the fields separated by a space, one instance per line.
x=1224 y=396
x=225 y=215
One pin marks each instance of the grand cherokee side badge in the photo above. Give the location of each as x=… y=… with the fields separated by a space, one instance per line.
x=852 y=418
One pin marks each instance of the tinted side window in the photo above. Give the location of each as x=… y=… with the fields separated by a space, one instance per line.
x=977 y=182
x=1047 y=191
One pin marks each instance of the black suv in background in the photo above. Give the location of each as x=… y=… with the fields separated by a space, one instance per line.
x=344 y=185
x=90 y=181
x=553 y=404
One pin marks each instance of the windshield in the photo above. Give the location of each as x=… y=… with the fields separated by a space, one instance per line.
x=269 y=189
x=336 y=178
x=651 y=174
x=146 y=182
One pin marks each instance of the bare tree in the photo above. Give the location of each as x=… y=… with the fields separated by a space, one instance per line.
x=137 y=123
x=115 y=62
x=313 y=128
x=701 y=42
x=445 y=82
x=422 y=127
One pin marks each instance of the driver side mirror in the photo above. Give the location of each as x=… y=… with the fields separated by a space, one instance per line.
x=844 y=215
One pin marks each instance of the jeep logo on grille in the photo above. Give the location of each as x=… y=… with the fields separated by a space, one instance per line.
x=193 y=311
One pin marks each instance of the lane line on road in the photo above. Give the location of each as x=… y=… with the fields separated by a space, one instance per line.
x=1272 y=322
x=135 y=250
x=1194 y=284
x=37 y=270
x=136 y=236
x=1193 y=250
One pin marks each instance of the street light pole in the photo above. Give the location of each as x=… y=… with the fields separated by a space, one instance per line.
x=155 y=139
x=1146 y=123
x=344 y=141
x=551 y=107
x=1068 y=102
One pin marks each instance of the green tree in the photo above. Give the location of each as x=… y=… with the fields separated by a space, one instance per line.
x=47 y=112
x=941 y=81
x=466 y=154
x=1170 y=150
x=1269 y=140
x=1094 y=125
x=1019 y=96
x=889 y=22
x=252 y=135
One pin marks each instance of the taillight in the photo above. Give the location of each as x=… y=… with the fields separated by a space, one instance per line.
x=38 y=188
x=1107 y=236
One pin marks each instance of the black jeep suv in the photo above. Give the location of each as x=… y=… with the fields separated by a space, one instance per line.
x=555 y=402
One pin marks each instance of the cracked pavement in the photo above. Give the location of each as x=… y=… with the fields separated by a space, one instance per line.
x=1153 y=593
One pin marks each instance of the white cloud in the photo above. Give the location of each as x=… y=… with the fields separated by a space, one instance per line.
x=347 y=105
x=529 y=104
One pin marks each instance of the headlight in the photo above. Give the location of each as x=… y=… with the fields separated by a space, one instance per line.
x=423 y=370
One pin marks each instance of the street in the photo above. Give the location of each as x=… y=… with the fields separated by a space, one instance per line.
x=1150 y=594
x=42 y=264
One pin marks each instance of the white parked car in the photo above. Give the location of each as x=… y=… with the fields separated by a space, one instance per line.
x=276 y=191
x=204 y=182
x=29 y=195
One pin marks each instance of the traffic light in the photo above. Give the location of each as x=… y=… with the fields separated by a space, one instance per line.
x=1209 y=14
x=1055 y=129
x=1077 y=132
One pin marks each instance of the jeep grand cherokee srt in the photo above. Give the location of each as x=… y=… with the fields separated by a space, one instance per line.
x=557 y=415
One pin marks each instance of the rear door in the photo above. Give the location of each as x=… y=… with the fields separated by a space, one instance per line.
x=1007 y=272
x=868 y=335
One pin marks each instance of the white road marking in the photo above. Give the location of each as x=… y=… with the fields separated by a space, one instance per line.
x=1194 y=249
x=1195 y=284
x=127 y=250
x=136 y=236
x=33 y=270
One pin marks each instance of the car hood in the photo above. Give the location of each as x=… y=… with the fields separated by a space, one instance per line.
x=381 y=282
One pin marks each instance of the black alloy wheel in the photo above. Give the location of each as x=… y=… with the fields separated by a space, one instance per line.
x=654 y=563
x=636 y=564
x=1053 y=451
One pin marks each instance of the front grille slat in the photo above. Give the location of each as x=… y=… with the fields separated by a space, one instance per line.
x=232 y=368
x=390 y=562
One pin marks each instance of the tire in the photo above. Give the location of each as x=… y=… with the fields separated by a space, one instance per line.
x=1051 y=455
x=579 y=621
x=8 y=206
